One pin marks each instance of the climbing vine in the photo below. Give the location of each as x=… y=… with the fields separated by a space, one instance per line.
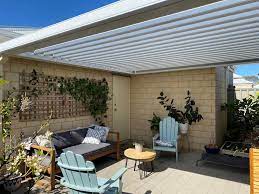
x=93 y=94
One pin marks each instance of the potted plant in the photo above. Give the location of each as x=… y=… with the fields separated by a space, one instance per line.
x=212 y=148
x=154 y=123
x=186 y=117
x=244 y=117
x=190 y=114
x=13 y=154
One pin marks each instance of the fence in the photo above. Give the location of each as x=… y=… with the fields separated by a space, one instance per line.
x=241 y=93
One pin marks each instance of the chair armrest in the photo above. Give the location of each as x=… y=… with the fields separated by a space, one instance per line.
x=116 y=134
x=37 y=147
x=156 y=137
x=114 y=178
x=118 y=174
x=117 y=141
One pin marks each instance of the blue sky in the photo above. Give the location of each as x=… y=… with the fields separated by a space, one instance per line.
x=41 y=13
x=252 y=69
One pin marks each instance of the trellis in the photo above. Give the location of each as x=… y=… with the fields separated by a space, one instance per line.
x=46 y=100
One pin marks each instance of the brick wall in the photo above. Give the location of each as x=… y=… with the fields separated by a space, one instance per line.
x=13 y=66
x=146 y=88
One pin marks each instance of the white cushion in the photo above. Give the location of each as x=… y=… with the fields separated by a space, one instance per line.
x=42 y=140
x=93 y=136
x=163 y=143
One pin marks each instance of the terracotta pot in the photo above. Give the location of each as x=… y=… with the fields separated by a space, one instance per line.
x=184 y=128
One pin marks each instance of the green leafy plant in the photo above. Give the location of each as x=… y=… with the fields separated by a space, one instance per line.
x=169 y=106
x=244 y=116
x=94 y=94
x=190 y=114
x=154 y=122
x=13 y=154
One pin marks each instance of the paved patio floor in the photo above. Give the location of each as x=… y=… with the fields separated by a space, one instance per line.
x=177 y=178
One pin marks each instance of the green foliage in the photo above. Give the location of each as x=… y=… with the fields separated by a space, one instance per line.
x=7 y=109
x=245 y=113
x=154 y=122
x=169 y=106
x=13 y=153
x=190 y=113
x=94 y=94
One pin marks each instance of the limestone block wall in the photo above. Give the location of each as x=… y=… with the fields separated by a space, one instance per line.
x=146 y=88
x=208 y=87
x=13 y=66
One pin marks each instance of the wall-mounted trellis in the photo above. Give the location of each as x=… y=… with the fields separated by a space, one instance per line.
x=46 y=100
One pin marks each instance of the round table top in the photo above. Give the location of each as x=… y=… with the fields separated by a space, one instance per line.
x=145 y=155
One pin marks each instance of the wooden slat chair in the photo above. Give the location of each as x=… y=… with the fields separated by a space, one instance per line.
x=254 y=170
x=80 y=176
x=168 y=132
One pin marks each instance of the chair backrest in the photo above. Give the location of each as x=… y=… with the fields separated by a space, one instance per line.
x=78 y=172
x=168 y=129
x=254 y=170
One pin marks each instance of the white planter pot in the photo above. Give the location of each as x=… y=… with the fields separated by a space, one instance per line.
x=138 y=147
x=184 y=128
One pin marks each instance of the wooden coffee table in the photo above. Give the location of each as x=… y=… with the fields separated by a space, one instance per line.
x=146 y=156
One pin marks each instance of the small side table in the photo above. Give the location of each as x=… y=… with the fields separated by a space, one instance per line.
x=144 y=157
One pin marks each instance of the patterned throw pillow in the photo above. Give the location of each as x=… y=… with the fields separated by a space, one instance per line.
x=103 y=130
x=93 y=136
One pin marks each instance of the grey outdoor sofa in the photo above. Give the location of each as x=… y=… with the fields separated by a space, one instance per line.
x=71 y=141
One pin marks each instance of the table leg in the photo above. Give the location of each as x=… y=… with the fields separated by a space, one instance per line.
x=144 y=169
x=140 y=173
x=152 y=166
x=135 y=165
x=126 y=164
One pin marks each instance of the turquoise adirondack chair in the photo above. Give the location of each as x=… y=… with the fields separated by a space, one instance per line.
x=168 y=134
x=80 y=176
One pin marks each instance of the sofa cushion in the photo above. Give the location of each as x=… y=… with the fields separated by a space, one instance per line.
x=63 y=140
x=79 y=134
x=103 y=130
x=87 y=148
x=93 y=136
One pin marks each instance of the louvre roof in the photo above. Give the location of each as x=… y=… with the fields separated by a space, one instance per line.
x=221 y=33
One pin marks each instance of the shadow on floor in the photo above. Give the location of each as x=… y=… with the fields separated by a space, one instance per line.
x=187 y=162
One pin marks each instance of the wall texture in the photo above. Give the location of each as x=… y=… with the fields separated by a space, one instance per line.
x=208 y=87
x=146 y=88
x=13 y=66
